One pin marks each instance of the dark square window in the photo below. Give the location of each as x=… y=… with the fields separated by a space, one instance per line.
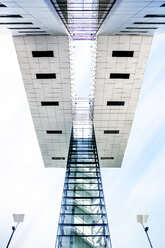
x=111 y=131
x=107 y=158
x=119 y=75
x=133 y=31
x=25 y=28
x=15 y=23
x=32 y=32
x=150 y=23
x=49 y=103
x=122 y=53
x=42 y=54
x=10 y=16
x=141 y=28
x=54 y=132
x=58 y=158
x=153 y=16
x=45 y=75
x=115 y=103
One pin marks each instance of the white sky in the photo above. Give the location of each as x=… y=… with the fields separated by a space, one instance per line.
x=27 y=187
x=82 y=68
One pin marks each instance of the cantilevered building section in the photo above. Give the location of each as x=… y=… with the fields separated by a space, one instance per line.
x=120 y=66
x=45 y=67
x=66 y=127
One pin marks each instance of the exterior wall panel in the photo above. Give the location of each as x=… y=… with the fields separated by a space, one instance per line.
x=58 y=89
x=119 y=117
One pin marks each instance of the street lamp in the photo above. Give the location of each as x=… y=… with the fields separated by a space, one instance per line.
x=143 y=219
x=18 y=218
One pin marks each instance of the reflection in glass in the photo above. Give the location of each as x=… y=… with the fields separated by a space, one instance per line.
x=83 y=220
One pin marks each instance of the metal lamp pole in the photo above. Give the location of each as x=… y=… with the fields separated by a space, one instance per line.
x=146 y=231
x=13 y=230
x=143 y=219
x=17 y=218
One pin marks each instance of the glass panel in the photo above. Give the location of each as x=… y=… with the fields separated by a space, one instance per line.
x=83 y=220
x=83 y=18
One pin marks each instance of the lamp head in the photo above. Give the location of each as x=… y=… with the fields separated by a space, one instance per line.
x=18 y=217
x=142 y=218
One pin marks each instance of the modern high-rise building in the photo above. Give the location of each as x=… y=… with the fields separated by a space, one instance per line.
x=82 y=134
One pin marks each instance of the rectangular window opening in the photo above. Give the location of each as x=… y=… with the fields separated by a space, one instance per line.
x=58 y=158
x=119 y=75
x=15 y=23
x=49 y=103
x=150 y=23
x=25 y=28
x=107 y=158
x=42 y=54
x=154 y=16
x=111 y=131
x=35 y=34
x=10 y=16
x=133 y=31
x=115 y=103
x=32 y=32
x=163 y=5
x=141 y=28
x=54 y=131
x=122 y=53
x=45 y=75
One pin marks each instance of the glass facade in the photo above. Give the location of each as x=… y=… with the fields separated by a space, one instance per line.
x=83 y=220
x=82 y=18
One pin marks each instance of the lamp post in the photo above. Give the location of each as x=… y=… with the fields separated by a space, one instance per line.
x=18 y=218
x=143 y=219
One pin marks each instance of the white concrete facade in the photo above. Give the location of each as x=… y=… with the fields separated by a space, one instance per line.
x=47 y=118
x=132 y=17
x=25 y=17
x=114 y=35
x=127 y=90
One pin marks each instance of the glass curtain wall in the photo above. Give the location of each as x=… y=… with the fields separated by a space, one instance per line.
x=83 y=220
x=82 y=18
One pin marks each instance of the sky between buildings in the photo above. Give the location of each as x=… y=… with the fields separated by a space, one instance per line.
x=27 y=187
